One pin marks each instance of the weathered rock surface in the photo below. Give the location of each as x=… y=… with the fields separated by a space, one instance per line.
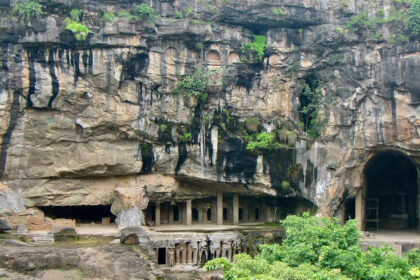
x=97 y=262
x=80 y=119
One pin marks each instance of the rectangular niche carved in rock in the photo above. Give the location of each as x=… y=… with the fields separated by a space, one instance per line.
x=83 y=214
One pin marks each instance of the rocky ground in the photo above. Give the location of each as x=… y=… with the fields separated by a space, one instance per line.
x=19 y=260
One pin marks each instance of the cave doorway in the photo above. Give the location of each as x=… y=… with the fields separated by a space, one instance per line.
x=350 y=209
x=391 y=194
x=83 y=214
x=162 y=255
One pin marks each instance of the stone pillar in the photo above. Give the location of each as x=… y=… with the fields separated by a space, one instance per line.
x=157 y=213
x=189 y=212
x=235 y=209
x=184 y=250
x=219 y=208
x=359 y=209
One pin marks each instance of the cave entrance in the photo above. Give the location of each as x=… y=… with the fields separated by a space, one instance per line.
x=83 y=214
x=391 y=201
x=162 y=256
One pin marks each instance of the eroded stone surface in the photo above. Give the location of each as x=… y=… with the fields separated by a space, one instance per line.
x=79 y=121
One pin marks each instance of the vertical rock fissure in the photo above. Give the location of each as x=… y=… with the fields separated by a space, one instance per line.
x=182 y=156
x=32 y=79
x=54 y=81
x=5 y=141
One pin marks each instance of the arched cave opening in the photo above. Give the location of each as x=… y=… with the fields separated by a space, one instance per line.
x=83 y=214
x=391 y=193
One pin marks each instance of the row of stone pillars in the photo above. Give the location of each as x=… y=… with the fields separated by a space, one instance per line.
x=219 y=210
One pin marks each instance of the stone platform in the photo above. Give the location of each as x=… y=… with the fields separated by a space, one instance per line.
x=401 y=241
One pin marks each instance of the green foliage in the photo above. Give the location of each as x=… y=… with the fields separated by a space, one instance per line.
x=320 y=249
x=413 y=18
x=312 y=101
x=27 y=11
x=178 y=15
x=76 y=14
x=399 y=38
x=188 y=12
x=193 y=85
x=415 y=272
x=340 y=31
x=264 y=141
x=285 y=185
x=186 y=137
x=359 y=22
x=79 y=30
x=127 y=14
x=278 y=11
x=258 y=47
x=143 y=10
x=108 y=16
x=199 y=46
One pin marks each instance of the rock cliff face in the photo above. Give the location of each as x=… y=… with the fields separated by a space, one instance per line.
x=82 y=118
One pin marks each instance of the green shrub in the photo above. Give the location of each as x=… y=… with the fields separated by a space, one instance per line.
x=320 y=248
x=178 y=15
x=108 y=16
x=199 y=46
x=413 y=17
x=264 y=141
x=258 y=47
x=27 y=11
x=312 y=102
x=76 y=14
x=79 y=30
x=359 y=22
x=143 y=10
x=186 y=137
x=188 y=12
x=399 y=38
x=193 y=85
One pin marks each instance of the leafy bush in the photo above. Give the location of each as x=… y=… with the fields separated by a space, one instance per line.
x=108 y=16
x=79 y=30
x=193 y=85
x=76 y=14
x=178 y=15
x=27 y=11
x=188 y=12
x=143 y=10
x=186 y=137
x=413 y=17
x=199 y=46
x=359 y=22
x=320 y=248
x=312 y=102
x=258 y=47
x=264 y=141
